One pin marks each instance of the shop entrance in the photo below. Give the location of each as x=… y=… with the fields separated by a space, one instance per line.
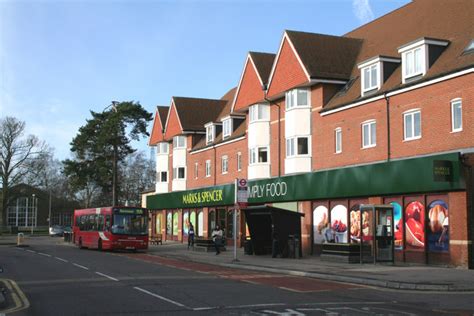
x=377 y=242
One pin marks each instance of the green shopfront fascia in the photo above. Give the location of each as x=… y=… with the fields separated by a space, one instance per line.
x=414 y=176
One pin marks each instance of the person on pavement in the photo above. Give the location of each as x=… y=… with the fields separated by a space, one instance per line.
x=217 y=238
x=191 y=235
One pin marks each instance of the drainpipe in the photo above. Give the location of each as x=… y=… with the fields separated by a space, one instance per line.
x=279 y=132
x=215 y=164
x=387 y=103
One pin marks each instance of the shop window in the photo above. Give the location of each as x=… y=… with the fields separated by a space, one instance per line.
x=320 y=222
x=212 y=221
x=158 y=223
x=192 y=220
x=412 y=125
x=438 y=226
x=369 y=136
x=185 y=223
x=398 y=225
x=339 y=223
x=415 y=226
x=200 y=225
x=175 y=224
x=456 y=115
x=169 y=224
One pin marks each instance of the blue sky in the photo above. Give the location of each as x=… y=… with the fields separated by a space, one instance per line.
x=60 y=59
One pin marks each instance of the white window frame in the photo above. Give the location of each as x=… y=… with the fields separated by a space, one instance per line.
x=224 y=164
x=259 y=113
x=176 y=173
x=210 y=131
x=291 y=99
x=338 y=140
x=160 y=176
x=227 y=128
x=455 y=102
x=239 y=161
x=411 y=114
x=196 y=170
x=179 y=142
x=254 y=154
x=371 y=87
x=208 y=168
x=162 y=148
x=371 y=142
x=292 y=147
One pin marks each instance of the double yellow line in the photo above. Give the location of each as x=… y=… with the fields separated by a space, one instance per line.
x=19 y=298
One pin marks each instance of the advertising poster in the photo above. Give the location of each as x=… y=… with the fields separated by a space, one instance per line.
x=200 y=226
x=438 y=228
x=158 y=224
x=175 y=224
x=185 y=223
x=169 y=223
x=339 y=223
x=320 y=221
x=414 y=225
x=355 y=224
x=192 y=220
x=398 y=225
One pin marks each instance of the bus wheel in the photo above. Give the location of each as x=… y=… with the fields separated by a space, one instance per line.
x=99 y=245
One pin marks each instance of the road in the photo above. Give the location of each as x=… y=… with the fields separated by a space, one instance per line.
x=53 y=278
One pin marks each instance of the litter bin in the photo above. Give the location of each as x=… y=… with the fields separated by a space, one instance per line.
x=248 y=248
x=291 y=246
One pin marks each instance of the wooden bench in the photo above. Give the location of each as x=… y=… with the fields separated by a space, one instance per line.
x=156 y=239
x=207 y=245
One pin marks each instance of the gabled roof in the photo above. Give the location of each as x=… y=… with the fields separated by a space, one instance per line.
x=446 y=20
x=194 y=113
x=263 y=63
x=229 y=98
x=159 y=122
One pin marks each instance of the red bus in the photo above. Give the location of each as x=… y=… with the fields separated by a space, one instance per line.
x=111 y=228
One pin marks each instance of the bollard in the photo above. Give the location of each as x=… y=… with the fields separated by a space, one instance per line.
x=20 y=239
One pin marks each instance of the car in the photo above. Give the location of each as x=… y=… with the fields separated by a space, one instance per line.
x=56 y=230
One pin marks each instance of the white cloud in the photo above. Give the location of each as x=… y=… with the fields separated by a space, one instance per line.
x=362 y=10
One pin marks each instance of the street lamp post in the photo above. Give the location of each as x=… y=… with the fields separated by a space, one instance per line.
x=33 y=213
x=114 y=162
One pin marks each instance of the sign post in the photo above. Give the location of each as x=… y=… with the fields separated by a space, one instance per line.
x=241 y=201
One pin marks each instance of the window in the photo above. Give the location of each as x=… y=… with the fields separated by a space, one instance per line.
x=196 y=168
x=338 y=140
x=179 y=142
x=297 y=146
x=259 y=112
x=162 y=176
x=208 y=168
x=210 y=133
x=162 y=148
x=297 y=98
x=412 y=123
x=239 y=161
x=370 y=78
x=369 y=134
x=179 y=173
x=412 y=63
x=258 y=155
x=226 y=128
x=456 y=115
x=225 y=164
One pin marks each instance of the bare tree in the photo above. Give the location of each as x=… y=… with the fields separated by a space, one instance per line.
x=17 y=155
x=137 y=175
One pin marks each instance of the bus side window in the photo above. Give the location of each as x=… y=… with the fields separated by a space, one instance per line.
x=83 y=223
x=100 y=226
x=107 y=222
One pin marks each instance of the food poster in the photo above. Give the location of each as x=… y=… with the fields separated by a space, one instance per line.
x=438 y=228
x=185 y=223
x=339 y=223
x=355 y=227
x=398 y=225
x=158 y=224
x=320 y=221
x=175 y=224
x=169 y=223
x=414 y=225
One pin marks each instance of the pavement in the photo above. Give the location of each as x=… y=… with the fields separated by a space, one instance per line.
x=402 y=277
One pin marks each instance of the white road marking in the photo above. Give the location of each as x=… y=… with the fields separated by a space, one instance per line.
x=79 y=266
x=32 y=251
x=160 y=297
x=107 y=276
x=61 y=259
x=44 y=254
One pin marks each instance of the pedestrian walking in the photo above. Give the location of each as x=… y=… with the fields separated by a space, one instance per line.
x=191 y=236
x=217 y=238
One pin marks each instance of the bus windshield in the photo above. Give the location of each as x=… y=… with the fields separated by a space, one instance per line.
x=129 y=224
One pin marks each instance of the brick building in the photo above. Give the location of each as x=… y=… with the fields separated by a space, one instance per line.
x=381 y=115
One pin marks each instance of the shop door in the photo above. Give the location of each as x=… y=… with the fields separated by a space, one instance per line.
x=384 y=238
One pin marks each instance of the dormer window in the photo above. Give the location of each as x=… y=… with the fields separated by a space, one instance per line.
x=179 y=142
x=210 y=133
x=297 y=98
x=375 y=71
x=418 y=56
x=226 y=128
